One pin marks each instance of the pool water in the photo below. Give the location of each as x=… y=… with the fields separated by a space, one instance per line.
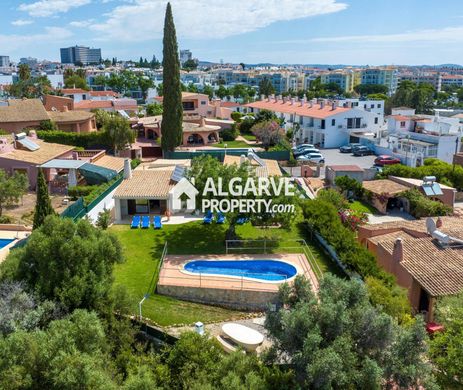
x=264 y=270
x=5 y=241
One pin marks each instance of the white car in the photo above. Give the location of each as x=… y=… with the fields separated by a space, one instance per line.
x=302 y=146
x=312 y=157
x=303 y=151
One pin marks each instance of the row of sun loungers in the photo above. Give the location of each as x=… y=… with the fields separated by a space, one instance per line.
x=145 y=222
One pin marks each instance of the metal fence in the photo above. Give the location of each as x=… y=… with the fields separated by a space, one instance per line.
x=78 y=209
x=280 y=155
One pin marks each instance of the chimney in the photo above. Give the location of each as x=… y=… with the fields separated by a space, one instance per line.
x=65 y=109
x=14 y=140
x=262 y=97
x=202 y=122
x=75 y=155
x=398 y=251
x=284 y=99
x=439 y=222
x=293 y=101
x=269 y=98
x=280 y=97
x=322 y=104
x=333 y=106
x=32 y=134
x=127 y=169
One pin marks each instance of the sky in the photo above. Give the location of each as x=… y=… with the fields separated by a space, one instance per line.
x=356 y=32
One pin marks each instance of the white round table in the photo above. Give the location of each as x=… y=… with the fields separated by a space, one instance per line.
x=247 y=337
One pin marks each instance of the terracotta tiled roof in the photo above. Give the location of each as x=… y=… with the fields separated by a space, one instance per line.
x=103 y=93
x=286 y=107
x=71 y=91
x=438 y=270
x=400 y=117
x=92 y=104
x=384 y=186
x=70 y=116
x=271 y=166
x=147 y=184
x=110 y=162
x=27 y=110
x=345 y=168
x=47 y=151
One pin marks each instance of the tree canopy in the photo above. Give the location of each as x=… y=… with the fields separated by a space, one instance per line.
x=118 y=132
x=171 y=126
x=43 y=207
x=341 y=341
x=12 y=188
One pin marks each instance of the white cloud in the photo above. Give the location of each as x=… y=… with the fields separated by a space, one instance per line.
x=16 y=43
x=445 y=35
x=21 y=22
x=43 y=8
x=143 y=19
x=81 y=23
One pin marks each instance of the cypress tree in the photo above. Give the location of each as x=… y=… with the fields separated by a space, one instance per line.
x=43 y=203
x=171 y=126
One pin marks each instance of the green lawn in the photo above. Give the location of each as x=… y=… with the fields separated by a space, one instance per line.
x=143 y=249
x=249 y=137
x=232 y=144
x=362 y=207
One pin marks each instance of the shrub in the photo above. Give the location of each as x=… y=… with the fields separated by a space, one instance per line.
x=84 y=140
x=6 y=219
x=421 y=206
x=246 y=125
x=135 y=163
x=229 y=134
x=78 y=191
x=48 y=125
x=350 y=185
x=236 y=116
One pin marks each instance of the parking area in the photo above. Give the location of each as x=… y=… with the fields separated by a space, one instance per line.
x=335 y=157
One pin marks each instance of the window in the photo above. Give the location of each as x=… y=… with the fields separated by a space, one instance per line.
x=203 y=102
x=372 y=106
x=141 y=206
x=353 y=123
x=333 y=122
x=376 y=120
x=402 y=124
x=379 y=105
x=188 y=106
x=322 y=126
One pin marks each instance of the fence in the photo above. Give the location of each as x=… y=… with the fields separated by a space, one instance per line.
x=78 y=209
x=280 y=155
x=272 y=246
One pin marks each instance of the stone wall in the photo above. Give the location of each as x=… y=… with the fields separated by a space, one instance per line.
x=234 y=299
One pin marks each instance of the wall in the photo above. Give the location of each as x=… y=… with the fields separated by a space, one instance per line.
x=17 y=127
x=235 y=299
x=57 y=102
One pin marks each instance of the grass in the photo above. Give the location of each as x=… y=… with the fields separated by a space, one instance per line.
x=143 y=250
x=249 y=137
x=232 y=144
x=362 y=207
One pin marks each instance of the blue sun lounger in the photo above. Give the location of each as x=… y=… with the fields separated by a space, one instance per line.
x=135 y=222
x=157 y=222
x=241 y=220
x=220 y=218
x=145 y=222
x=208 y=217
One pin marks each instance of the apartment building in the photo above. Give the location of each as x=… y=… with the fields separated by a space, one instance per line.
x=452 y=80
x=346 y=79
x=327 y=123
x=413 y=138
x=433 y=78
x=4 y=61
x=80 y=54
x=387 y=76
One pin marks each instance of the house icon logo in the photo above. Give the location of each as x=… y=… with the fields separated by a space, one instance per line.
x=183 y=191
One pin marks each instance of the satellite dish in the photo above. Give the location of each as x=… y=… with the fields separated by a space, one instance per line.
x=430 y=225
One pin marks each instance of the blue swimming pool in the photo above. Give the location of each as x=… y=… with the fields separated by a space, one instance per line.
x=265 y=269
x=5 y=241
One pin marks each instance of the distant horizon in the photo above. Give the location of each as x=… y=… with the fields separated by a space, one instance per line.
x=330 y=32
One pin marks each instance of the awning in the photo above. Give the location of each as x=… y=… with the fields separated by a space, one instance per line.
x=95 y=174
x=63 y=164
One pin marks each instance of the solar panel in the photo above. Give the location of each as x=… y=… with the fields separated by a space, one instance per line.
x=123 y=114
x=178 y=173
x=432 y=189
x=27 y=143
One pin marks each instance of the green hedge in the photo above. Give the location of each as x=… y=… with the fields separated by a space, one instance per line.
x=78 y=191
x=98 y=190
x=84 y=140
x=421 y=206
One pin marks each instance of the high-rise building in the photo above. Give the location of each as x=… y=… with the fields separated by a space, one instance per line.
x=80 y=54
x=4 y=61
x=185 y=55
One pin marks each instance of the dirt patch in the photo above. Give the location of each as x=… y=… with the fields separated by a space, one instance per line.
x=23 y=212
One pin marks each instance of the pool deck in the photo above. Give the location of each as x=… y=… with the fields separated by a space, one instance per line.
x=10 y=234
x=171 y=273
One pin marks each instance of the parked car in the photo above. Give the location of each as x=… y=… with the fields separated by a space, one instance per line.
x=377 y=168
x=305 y=151
x=386 y=160
x=362 y=151
x=312 y=157
x=349 y=148
x=302 y=146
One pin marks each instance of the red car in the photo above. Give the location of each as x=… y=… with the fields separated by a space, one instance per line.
x=386 y=160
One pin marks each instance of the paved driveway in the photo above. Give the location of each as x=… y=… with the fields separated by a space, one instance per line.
x=335 y=157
